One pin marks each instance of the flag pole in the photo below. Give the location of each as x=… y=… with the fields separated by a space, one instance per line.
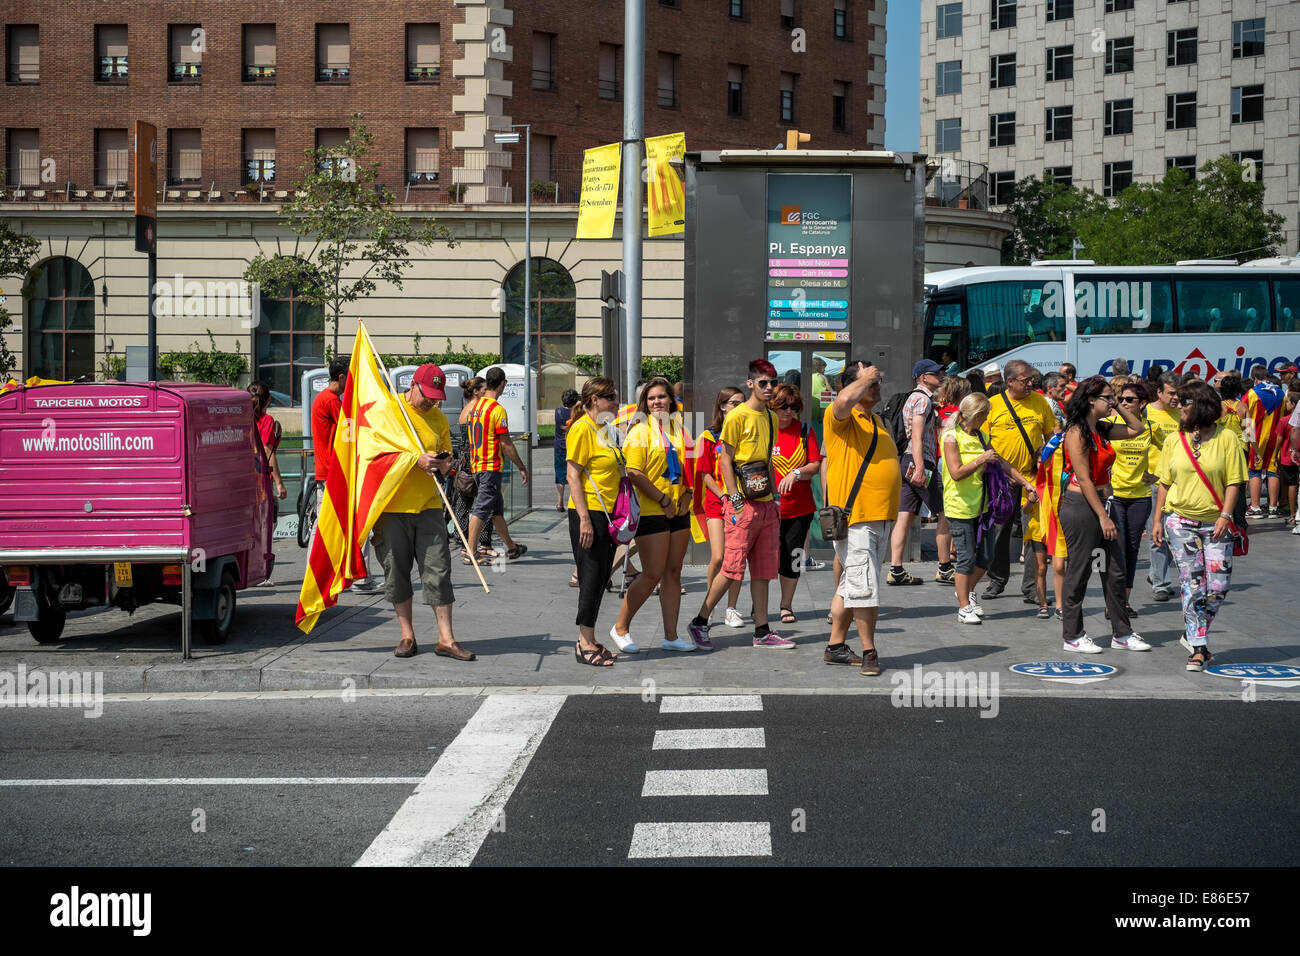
x=441 y=489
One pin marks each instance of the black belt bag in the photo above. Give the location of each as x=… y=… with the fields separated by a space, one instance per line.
x=834 y=521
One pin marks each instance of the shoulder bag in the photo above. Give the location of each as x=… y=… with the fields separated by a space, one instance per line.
x=1033 y=452
x=834 y=521
x=1240 y=540
x=755 y=477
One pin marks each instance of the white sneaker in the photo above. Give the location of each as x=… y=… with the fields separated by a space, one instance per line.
x=681 y=644
x=1295 y=529
x=975 y=607
x=1083 y=645
x=733 y=618
x=1133 y=642
x=625 y=643
x=969 y=615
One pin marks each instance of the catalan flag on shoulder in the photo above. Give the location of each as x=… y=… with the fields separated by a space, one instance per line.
x=374 y=448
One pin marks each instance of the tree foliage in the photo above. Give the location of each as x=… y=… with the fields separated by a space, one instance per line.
x=342 y=208
x=1047 y=216
x=17 y=251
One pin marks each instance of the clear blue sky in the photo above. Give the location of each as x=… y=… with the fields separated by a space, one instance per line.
x=903 y=75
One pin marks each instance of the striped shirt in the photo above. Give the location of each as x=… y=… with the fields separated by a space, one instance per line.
x=485 y=426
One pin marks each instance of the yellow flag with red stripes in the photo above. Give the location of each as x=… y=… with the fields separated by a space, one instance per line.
x=375 y=446
x=665 y=191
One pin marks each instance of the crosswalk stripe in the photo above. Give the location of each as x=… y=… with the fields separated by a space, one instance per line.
x=705 y=783
x=710 y=704
x=659 y=840
x=723 y=738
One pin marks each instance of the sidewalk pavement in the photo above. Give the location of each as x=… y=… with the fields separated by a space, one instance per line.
x=523 y=634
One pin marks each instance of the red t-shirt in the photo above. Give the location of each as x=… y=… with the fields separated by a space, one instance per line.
x=325 y=412
x=266 y=427
x=706 y=463
x=1100 y=459
x=789 y=453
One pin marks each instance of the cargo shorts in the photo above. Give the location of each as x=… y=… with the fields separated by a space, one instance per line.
x=402 y=539
x=860 y=556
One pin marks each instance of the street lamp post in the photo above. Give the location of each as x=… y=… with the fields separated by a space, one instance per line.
x=529 y=415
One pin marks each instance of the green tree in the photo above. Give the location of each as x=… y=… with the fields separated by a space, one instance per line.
x=1047 y=216
x=342 y=209
x=16 y=254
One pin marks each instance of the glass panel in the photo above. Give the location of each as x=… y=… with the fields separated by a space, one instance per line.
x=80 y=355
x=552 y=279
x=789 y=365
x=46 y=352
x=1006 y=315
x=1221 y=305
x=1111 y=305
x=81 y=314
x=275 y=315
x=1288 y=305
x=79 y=282
x=827 y=365
x=56 y=278
x=46 y=315
x=309 y=349
x=514 y=318
x=273 y=348
x=281 y=378
x=558 y=316
x=308 y=318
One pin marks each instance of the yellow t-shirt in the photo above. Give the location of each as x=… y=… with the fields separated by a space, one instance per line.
x=961 y=497
x=1163 y=424
x=1232 y=421
x=1134 y=457
x=1035 y=415
x=845 y=444
x=595 y=448
x=645 y=452
x=419 y=491
x=1223 y=462
x=750 y=438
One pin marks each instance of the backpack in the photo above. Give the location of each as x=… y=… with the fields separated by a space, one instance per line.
x=997 y=501
x=892 y=414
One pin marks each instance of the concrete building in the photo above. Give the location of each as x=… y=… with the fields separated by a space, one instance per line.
x=1104 y=93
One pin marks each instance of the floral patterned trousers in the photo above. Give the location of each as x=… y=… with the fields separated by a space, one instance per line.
x=1204 y=568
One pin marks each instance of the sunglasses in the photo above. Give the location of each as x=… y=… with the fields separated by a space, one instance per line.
x=1130 y=398
x=767 y=382
x=784 y=408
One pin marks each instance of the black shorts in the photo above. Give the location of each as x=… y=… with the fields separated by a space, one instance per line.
x=662 y=524
x=794 y=532
x=489 y=501
x=1290 y=475
x=913 y=497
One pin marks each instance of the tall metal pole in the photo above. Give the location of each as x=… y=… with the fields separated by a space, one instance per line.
x=152 y=338
x=633 y=131
x=530 y=418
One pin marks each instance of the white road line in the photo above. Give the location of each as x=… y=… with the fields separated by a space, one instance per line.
x=726 y=738
x=209 y=781
x=657 y=840
x=447 y=818
x=713 y=704
x=705 y=783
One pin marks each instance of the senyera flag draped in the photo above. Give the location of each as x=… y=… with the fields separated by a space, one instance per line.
x=374 y=448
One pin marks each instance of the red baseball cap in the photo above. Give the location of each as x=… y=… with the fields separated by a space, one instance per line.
x=431 y=381
x=1289 y=368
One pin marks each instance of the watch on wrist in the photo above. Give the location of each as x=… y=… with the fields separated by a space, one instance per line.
x=737 y=500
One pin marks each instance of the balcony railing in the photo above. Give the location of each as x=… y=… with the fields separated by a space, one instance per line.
x=20 y=74
x=112 y=69
x=543 y=79
x=259 y=171
x=333 y=73
x=957 y=183
x=609 y=89
x=423 y=73
x=668 y=97
x=186 y=73
x=259 y=74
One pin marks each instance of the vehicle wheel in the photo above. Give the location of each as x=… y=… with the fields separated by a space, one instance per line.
x=50 y=627
x=6 y=597
x=306 y=512
x=217 y=630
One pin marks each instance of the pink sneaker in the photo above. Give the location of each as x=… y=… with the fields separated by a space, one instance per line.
x=700 y=635
x=773 y=639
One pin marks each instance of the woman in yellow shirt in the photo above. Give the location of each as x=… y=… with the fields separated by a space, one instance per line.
x=1131 y=479
x=1188 y=515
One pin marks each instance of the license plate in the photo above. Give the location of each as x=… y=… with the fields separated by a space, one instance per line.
x=122 y=574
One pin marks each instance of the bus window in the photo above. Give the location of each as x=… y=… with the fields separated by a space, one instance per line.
x=1288 y=305
x=1115 y=305
x=1223 y=305
x=944 y=344
x=1007 y=315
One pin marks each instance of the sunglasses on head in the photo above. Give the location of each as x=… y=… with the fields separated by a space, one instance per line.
x=766 y=382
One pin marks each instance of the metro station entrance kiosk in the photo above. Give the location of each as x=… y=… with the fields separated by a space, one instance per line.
x=811 y=258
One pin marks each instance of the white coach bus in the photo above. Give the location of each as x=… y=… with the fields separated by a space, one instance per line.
x=1200 y=316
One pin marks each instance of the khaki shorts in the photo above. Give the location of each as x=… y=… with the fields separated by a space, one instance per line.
x=859 y=554
x=404 y=539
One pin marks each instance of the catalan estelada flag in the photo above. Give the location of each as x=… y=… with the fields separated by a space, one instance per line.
x=1045 y=521
x=374 y=448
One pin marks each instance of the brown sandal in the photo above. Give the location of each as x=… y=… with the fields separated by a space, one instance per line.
x=596 y=656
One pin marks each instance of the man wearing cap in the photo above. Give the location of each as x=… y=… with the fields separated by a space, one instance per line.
x=1287 y=374
x=412 y=528
x=993 y=379
x=922 y=483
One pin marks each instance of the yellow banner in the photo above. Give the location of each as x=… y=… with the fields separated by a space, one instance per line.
x=665 y=191
x=599 y=200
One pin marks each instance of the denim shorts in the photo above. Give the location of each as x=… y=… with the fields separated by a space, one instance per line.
x=969 y=554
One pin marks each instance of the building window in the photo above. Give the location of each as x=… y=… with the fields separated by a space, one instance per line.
x=1247 y=38
x=543 y=167
x=110 y=53
x=333 y=53
x=23 y=157
x=185 y=53
x=290 y=340
x=1180 y=47
x=1060 y=175
x=421 y=157
x=1060 y=10
x=1180 y=110
x=1060 y=63
x=787 y=97
x=1002 y=14
x=948 y=20
x=1059 y=125
x=552 y=325
x=423 y=53
x=668 y=66
x=1247 y=104
x=1117 y=117
x=947 y=136
x=947 y=78
x=1253 y=160
x=787 y=14
x=841 y=19
x=1001 y=187
x=23 y=54
x=1119 y=55
x=670 y=3
x=736 y=9
x=1002 y=70
x=1186 y=163
x=609 y=81
x=184 y=156
x=1119 y=176
x=1002 y=129
x=259 y=53
x=735 y=89
x=334 y=161
x=61 y=320
x=1115 y=6
x=112 y=162
x=839 y=106
x=259 y=156
x=543 y=61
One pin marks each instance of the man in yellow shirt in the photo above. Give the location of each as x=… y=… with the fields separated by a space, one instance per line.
x=1020 y=422
x=412 y=528
x=851 y=428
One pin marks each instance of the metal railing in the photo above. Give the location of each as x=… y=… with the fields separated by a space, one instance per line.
x=956 y=183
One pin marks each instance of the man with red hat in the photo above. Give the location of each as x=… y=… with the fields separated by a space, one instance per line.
x=412 y=528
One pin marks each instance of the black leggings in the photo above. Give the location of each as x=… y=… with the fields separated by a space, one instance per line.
x=1085 y=545
x=594 y=565
x=1131 y=517
x=794 y=532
